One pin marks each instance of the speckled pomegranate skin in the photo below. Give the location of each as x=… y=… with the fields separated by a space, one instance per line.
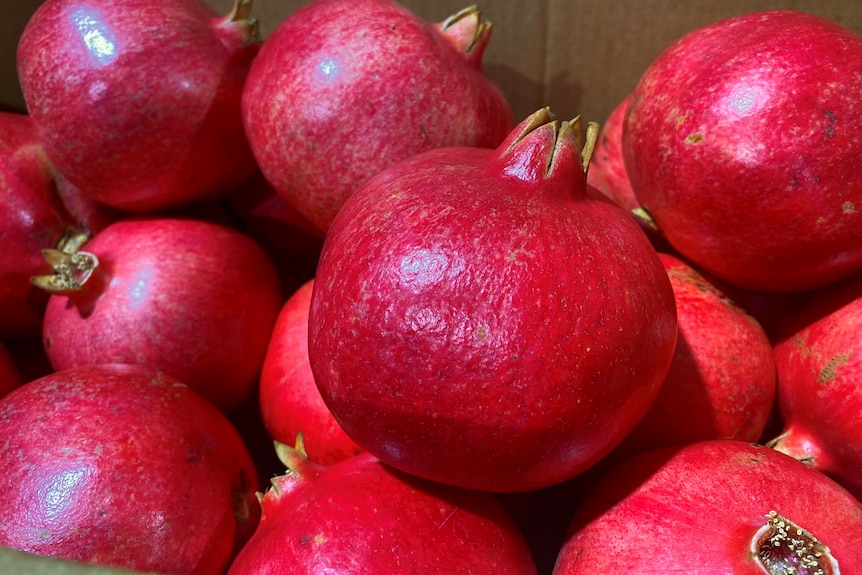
x=344 y=88
x=721 y=382
x=138 y=101
x=819 y=362
x=289 y=399
x=194 y=299
x=696 y=509
x=120 y=465
x=361 y=517
x=485 y=319
x=742 y=141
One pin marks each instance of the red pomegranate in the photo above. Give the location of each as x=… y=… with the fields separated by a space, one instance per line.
x=486 y=319
x=138 y=101
x=720 y=506
x=344 y=88
x=712 y=143
x=819 y=368
x=607 y=171
x=123 y=466
x=195 y=299
x=32 y=219
x=289 y=399
x=360 y=517
x=721 y=382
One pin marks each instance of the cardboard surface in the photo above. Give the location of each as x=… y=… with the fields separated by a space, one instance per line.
x=578 y=57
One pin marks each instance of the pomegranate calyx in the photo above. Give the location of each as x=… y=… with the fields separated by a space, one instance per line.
x=72 y=267
x=240 y=18
x=784 y=548
x=645 y=218
x=467 y=32
x=543 y=144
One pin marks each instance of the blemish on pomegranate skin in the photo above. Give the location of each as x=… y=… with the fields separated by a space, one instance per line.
x=829 y=371
x=694 y=138
x=848 y=208
x=784 y=548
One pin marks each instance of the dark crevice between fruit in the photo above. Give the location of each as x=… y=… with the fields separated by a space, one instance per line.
x=784 y=548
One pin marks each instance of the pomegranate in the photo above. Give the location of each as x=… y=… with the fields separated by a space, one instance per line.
x=720 y=506
x=721 y=382
x=818 y=362
x=123 y=466
x=607 y=171
x=10 y=377
x=138 y=101
x=192 y=298
x=32 y=219
x=486 y=319
x=361 y=517
x=289 y=399
x=344 y=88
x=712 y=142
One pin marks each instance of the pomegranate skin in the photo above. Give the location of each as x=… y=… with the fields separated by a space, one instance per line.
x=123 y=466
x=696 y=509
x=343 y=88
x=192 y=298
x=475 y=319
x=138 y=101
x=721 y=382
x=289 y=399
x=32 y=218
x=818 y=362
x=363 y=517
x=607 y=172
x=712 y=142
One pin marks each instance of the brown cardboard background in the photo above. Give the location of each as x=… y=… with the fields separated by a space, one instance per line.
x=576 y=56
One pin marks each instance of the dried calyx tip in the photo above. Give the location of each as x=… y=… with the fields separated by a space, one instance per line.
x=482 y=27
x=241 y=10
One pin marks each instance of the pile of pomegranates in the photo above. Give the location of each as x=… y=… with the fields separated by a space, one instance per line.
x=318 y=303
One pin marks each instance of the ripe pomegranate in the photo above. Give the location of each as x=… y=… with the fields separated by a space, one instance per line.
x=712 y=143
x=138 y=101
x=719 y=506
x=120 y=465
x=721 y=382
x=818 y=362
x=289 y=399
x=362 y=517
x=32 y=218
x=486 y=319
x=10 y=377
x=344 y=88
x=192 y=298
x=607 y=171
